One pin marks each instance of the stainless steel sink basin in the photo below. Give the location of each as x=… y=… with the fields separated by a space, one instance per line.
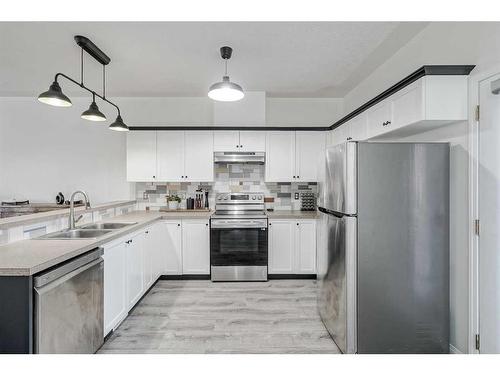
x=107 y=225
x=75 y=234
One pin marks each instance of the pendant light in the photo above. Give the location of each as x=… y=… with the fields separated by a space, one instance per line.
x=93 y=113
x=225 y=91
x=54 y=96
x=119 y=125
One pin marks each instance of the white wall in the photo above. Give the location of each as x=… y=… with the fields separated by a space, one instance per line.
x=44 y=150
x=303 y=111
x=444 y=43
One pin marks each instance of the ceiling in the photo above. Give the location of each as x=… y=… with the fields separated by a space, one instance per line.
x=285 y=59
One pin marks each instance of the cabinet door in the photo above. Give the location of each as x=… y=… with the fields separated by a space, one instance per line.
x=199 y=156
x=170 y=156
x=253 y=141
x=227 y=140
x=280 y=156
x=358 y=128
x=141 y=156
x=305 y=247
x=408 y=105
x=309 y=152
x=115 y=293
x=148 y=254
x=281 y=246
x=172 y=248
x=379 y=119
x=195 y=247
x=135 y=280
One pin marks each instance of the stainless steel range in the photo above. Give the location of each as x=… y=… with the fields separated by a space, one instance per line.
x=238 y=238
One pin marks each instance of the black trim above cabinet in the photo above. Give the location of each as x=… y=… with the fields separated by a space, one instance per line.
x=426 y=70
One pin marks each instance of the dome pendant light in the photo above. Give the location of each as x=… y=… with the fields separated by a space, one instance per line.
x=119 y=125
x=54 y=96
x=93 y=113
x=225 y=91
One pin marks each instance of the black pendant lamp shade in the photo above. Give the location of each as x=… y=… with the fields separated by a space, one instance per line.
x=54 y=96
x=119 y=125
x=93 y=113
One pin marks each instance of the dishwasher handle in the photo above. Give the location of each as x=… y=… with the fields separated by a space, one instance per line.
x=88 y=259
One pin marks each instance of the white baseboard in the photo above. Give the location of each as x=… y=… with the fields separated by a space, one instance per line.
x=454 y=350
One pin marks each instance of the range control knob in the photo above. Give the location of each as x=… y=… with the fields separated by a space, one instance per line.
x=225 y=198
x=259 y=197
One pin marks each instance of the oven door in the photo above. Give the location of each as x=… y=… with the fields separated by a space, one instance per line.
x=235 y=242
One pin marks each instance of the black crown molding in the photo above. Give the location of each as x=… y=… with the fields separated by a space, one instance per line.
x=426 y=70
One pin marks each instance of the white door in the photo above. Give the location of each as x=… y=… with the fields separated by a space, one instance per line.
x=195 y=247
x=305 y=247
x=172 y=248
x=115 y=293
x=252 y=141
x=148 y=253
x=226 y=140
x=170 y=156
x=308 y=145
x=357 y=130
x=135 y=280
x=199 y=156
x=281 y=246
x=280 y=156
x=141 y=156
x=489 y=215
x=379 y=119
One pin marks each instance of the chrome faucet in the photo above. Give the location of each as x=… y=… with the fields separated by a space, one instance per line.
x=72 y=220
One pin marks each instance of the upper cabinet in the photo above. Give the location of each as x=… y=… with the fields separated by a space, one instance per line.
x=294 y=156
x=425 y=104
x=234 y=140
x=141 y=156
x=173 y=156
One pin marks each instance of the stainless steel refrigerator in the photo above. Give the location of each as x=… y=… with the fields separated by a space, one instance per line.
x=383 y=259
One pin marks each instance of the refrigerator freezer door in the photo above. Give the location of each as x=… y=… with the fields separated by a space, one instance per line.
x=403 y=248
x=337 y=274
x=340 y=179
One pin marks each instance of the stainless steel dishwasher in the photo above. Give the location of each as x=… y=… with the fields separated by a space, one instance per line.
x=69 y=303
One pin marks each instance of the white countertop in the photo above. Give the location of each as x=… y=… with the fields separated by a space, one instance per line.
x=27 y=257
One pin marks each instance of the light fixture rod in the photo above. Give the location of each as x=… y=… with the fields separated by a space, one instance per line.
x=81 y=67
x=86 y=88
x=103 y=81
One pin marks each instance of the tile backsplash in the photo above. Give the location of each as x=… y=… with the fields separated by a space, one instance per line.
x=228 y=178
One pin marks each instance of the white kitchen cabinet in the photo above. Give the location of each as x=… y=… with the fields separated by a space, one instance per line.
x=170 y=156
x=244 y=141
x=227 y=140
x=281 y=246
x=305 y=247
x=198 y=156
x=135 y=279
x=309 y=155
x=294 y=156
x=195 y=247
x=358 y=128
x=115 y=282
x=172 y=248
x=148 y=257
x=379 y=118
x=252 y=141
x=292 y=246
x=141 y=156
x=160 y=232
x=280 y=156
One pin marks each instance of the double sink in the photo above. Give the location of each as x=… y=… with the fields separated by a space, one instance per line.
x=89 y=231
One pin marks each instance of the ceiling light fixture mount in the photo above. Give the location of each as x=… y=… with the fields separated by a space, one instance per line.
x=226 y=91
x=54 y=96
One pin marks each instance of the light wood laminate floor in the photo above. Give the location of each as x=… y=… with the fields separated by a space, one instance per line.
x=278 y=316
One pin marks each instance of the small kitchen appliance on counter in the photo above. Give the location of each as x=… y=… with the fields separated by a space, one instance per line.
x=238 y=238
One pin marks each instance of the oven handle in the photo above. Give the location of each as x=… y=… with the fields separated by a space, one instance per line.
x=240 y=224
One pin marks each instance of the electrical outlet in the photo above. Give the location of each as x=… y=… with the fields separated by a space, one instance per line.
x=296 y=196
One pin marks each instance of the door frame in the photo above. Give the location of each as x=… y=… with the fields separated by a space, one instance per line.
x=473 y=143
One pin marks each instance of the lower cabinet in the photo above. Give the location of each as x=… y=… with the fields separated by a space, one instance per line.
x=135 y=269
x=292 y=246
x=172 y=254
x=115 y=292
x=195 y=247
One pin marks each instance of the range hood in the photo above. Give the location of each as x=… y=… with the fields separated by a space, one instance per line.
x=240 y=157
